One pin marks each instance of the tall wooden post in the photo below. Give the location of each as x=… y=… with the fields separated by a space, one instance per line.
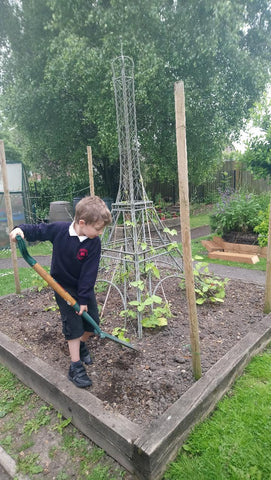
x=9 y=216
x=185 y=226
x=90 y=171
x=267 y=299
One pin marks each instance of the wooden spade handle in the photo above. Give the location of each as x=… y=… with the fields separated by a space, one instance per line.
x=47 y=277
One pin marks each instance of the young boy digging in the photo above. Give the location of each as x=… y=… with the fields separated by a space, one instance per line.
x=75 y=262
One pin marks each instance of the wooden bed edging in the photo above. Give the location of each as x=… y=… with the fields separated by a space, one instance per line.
x=145 y=453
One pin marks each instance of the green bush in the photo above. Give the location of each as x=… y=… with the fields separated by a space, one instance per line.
x=237 y=212
x=262 y=228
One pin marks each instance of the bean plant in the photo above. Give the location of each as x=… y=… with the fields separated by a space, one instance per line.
x=208 y=287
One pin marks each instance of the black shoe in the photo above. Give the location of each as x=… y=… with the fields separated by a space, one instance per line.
x=84 y=354
x=78 y=375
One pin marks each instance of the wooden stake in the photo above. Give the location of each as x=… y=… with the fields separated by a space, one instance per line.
x=267 y=299
x=9 y=216
x=90 y=171
x=185 y=226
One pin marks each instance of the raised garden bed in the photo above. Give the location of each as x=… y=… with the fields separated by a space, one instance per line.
x=142 y=448
x=144 y=452
x=235 y=252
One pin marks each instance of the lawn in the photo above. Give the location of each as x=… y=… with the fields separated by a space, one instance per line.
x=234 y=443
x=43 y=248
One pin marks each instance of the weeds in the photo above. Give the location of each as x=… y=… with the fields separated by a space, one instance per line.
x=62 y=423
x=42 y=418
x=72 y=454
x=28 y=464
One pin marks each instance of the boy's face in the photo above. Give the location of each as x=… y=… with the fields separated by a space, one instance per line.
x=91 y=230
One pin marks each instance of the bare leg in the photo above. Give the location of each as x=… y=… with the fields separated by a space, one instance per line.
x=74 y=348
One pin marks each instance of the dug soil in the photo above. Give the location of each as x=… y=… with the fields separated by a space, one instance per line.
x=141 y=384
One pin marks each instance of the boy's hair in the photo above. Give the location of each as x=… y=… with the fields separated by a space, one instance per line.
x=92 y=210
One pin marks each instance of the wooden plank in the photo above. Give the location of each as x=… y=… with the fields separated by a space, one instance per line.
x=242 y=248
x=239 y=247
x=263 y=252
x=210 y=245
x=234 y=257
x=160 y=443
x=219 y=242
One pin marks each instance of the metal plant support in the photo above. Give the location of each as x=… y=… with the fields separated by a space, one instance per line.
x=136 y=245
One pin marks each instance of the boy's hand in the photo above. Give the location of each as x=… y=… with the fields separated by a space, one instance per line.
x=16 y=231
x=83 y=308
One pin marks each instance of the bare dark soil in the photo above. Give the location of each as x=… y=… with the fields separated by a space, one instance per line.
x=241 y=237
x=140 y=385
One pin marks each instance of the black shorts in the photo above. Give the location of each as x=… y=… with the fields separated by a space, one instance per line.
x=74 y=325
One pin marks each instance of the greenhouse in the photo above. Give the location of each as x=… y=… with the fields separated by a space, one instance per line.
x=20 y=200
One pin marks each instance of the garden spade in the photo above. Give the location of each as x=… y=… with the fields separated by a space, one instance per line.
x=67 y=297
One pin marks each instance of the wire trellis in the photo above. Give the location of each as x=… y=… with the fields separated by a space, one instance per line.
x=137 y=249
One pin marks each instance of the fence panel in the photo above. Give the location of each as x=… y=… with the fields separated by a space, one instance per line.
x=230 y=176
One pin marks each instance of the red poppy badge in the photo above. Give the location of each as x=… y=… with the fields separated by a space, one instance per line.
x=82 y=253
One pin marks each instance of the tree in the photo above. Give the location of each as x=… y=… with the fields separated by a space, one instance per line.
x=57 y=79
x=257 y=156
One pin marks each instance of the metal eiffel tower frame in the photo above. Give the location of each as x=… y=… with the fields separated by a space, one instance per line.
x=137 y=249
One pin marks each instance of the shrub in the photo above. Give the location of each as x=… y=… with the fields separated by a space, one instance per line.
x=237 y=212
x=262 y=227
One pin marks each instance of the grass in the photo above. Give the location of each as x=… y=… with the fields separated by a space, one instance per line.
x=233 y=443
x=199 y=220
x=32 y=431
x=28 y=278
x=42 y=248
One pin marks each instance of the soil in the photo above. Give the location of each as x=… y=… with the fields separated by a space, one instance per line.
x=241 y=237
x=141 y=384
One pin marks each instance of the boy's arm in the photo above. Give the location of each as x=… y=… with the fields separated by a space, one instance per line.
x=35 y=232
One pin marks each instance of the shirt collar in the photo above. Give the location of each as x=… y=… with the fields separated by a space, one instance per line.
x=73 y=233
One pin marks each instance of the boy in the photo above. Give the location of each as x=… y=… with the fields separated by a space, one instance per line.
x=75 y=262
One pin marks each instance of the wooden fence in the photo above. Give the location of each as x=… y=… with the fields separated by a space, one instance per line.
x=230 y=176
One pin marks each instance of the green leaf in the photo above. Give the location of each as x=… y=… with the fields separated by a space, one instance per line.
x=156 y=299
x=162 y=322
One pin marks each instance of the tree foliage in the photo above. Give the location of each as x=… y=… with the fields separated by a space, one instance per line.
x=257 y=156
x=57 y=79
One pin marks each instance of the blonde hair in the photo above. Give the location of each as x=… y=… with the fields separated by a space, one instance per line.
x=92 y=210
